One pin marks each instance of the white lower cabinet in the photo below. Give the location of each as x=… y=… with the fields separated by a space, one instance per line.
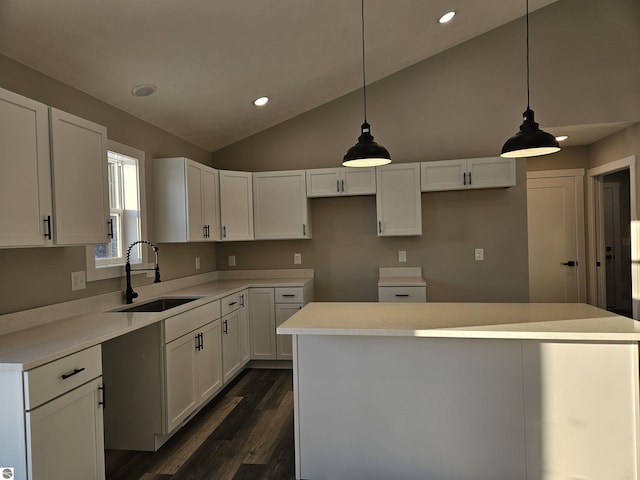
x=268 y=308
x=243 y=328
x=55 y=417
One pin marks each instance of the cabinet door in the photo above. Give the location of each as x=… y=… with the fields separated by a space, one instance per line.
x=284 y=346
x=358 y=181
x=80 y=180
x=181 y=381
x=323 y=182
x=210 y=204
x=230 y=345
x=236 y=205
x=443 y=175
x=398 y=200
x=243 y=328
x=209 y=361
x=195 y=215
x=262 y=323
x=65 y=436
x=25 y=185
x=491 y=172
x=280 y=205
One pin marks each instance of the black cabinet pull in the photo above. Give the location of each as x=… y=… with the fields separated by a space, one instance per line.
x=64 y=376
x=464 y=178
x=242 y=300
x=570 y=263
x=342 y=185
x=47 y=222
x=103 y=390
x=232 y=304
x=224 y=231
x=338 y=186
x=402 y=294
x=379 y=226
x=110 y=223
x=224 y=327
x=304 y=229
x=469 y=178
x=201 y=341
x=288 y=294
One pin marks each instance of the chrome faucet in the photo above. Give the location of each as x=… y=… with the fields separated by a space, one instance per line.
x=129 y=293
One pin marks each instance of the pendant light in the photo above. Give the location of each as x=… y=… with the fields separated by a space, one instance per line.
x=365 y=153
x=530 y=141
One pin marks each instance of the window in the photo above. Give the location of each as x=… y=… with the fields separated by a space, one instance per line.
x=126 y=195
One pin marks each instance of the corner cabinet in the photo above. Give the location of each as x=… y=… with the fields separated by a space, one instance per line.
x=25 y=186
x=80 y=180
x=464 y=174
x=342 y=181
x=186 y=201
x=236 y=205
x=56 y=419
x=280 y=206
x=398 y=200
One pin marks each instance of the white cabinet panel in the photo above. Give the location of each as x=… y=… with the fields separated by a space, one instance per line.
x=181 y=379
x=398 y=200
x=236 y=205
x=230 y=345
x=243 y=328
x=185 y=201
x=463 y=174
x=25 y=185
x=284 y=347
x=209 y=361
x=80 y=180
x=331 y=182
x=280 y=206
x=262 y=323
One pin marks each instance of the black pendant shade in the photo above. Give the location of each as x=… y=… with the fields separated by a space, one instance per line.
x=530 y=141
x=366 y=153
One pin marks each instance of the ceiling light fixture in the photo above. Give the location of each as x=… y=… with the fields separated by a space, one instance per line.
x=259 y=102
x=530 y=141
x=365 y=153
x=143 y=90
x=562 y=138
x=447 y=17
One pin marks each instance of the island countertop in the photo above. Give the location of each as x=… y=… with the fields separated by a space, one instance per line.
x=535 y=321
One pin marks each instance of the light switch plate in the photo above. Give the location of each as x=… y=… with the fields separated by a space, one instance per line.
x=232 y=260
x=197 y=263
x=297 y=258
x=402 y=256
x=78 y=280
x=479 y=253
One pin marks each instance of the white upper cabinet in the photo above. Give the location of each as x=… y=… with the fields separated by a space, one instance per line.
x=332 y=182
x=185 y=201
x=80 y=180
x=398 y=200
x=280 y=206
x=490 y=172
x=236 y=205
x=25 y=185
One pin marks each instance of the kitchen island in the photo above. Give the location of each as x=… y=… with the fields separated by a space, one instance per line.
x=464 y=391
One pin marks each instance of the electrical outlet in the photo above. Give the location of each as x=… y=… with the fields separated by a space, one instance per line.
x=297 y=258
x=402 y=256
x=479 y=253
x=197 y=263
x=232 y=260
x=78 y=280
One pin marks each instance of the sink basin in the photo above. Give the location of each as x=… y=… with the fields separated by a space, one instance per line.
x=158 y=305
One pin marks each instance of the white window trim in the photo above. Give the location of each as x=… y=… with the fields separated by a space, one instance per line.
x=116 y=271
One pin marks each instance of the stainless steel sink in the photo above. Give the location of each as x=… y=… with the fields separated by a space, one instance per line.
x=158 y=305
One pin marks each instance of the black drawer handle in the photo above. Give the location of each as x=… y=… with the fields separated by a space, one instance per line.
x=232 y=304
x=288 y=294
x=64 y=376
x=402 y=295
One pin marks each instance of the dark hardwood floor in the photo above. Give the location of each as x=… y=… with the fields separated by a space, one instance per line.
x=245 y=433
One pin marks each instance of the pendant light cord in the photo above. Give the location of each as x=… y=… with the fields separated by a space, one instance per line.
x=527 y=20
x=364 y=80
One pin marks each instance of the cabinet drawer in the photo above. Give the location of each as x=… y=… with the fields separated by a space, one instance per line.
x=289 y=295
x=230 y=303
x=188 y=321
x=60 y=376
x=402 y=294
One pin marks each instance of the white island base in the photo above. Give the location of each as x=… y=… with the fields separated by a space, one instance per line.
x=436 y=404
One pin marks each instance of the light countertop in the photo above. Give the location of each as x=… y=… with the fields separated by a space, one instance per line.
x=536 y=321
x=35 y=346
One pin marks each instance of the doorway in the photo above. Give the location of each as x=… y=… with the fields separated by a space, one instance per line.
x=612 y=214
x=556 y=235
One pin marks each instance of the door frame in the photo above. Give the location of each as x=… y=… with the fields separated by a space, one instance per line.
x=595 y=218
x=578 y=175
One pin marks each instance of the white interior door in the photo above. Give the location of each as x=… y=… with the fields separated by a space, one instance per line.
x=556 y=239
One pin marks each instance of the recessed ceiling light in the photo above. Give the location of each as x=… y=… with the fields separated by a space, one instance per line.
x=143 y=90
x=562 y=138
x=258 y=102
x=447 y=17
